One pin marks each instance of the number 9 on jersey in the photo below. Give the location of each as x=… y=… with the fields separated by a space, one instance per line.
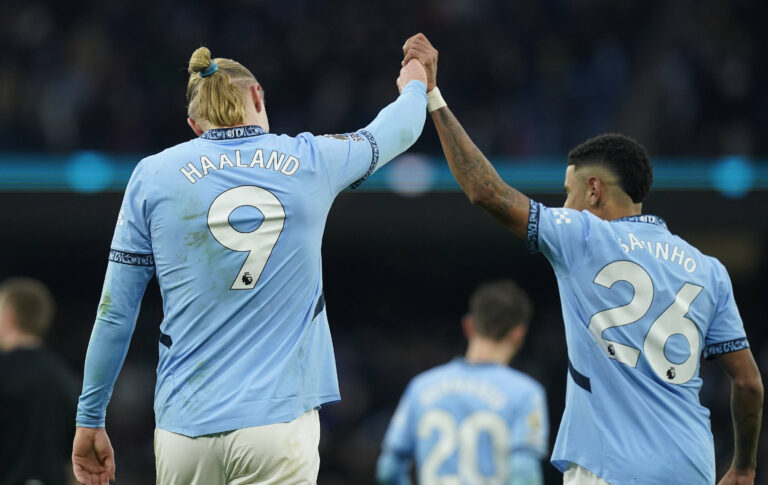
x=260 y=242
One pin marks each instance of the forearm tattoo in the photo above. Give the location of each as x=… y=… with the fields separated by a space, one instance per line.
x=476 y=175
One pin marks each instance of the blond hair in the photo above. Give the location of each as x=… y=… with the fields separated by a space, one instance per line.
x=217 y=97
x=31 y=303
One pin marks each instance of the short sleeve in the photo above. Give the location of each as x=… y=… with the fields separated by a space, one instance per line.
x=349 y=158
x=530 y=430
x=726 y=332
x=560 y=234
x=131 y=242
x=400 y=437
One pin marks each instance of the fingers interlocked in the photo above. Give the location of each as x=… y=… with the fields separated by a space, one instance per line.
x=418 y=47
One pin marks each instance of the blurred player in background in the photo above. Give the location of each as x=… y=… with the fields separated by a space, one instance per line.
x=473 y=420
x=38 y=392
x=231 y=223
x=640 y=307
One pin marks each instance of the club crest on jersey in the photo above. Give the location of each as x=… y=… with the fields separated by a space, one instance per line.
x=338 y=137
x=347 y=136
x=561 y=216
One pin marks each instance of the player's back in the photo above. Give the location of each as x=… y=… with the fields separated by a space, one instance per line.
x=468 y=423
x=640 y=306
x=235 y=221
x=231 y=223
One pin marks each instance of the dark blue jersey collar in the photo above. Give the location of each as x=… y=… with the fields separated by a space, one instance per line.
x=646 y=218
x=232 y=133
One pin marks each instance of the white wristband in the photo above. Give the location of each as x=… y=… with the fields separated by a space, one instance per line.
x=435 y=100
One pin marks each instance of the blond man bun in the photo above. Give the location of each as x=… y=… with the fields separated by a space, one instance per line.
x=218 y=97
x=200 y=60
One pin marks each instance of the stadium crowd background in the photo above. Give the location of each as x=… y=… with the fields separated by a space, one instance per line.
x=526 y=78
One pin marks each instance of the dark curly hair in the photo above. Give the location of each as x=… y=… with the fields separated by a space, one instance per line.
x=622 y=155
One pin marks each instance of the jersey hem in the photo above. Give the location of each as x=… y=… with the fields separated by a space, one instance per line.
x=240 y=422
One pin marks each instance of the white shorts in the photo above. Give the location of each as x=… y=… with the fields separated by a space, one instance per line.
x=578 y=475
x=282 y=453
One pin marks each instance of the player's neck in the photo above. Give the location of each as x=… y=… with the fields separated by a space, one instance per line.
x=482 y=351
x=259 y=118
x=18 y=340
x=611 y=211
x=251 y=118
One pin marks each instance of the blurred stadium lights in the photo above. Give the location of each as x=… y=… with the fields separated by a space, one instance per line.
x=733 y=176
x=79 y=172
x=89 y=172
x=409 y=175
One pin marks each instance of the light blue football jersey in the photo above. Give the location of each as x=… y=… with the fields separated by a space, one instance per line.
x=467 y=423
x=640 y=307
x=232 y=224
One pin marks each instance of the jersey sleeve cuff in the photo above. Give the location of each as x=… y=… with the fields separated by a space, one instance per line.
x=374 y=158
x=532 y=237
x=132 y=259
x=417 y=85
x=713 y=350
x=90 y=423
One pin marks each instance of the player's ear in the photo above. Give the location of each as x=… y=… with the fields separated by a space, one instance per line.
x=468 y=325
x=594 y=191
x=517 y=335
x=195 y=127
x=257 y=95
x=514 y=338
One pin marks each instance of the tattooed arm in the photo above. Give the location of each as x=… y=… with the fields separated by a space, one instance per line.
x=746 y=410
x=472 y=170
x=477 y=176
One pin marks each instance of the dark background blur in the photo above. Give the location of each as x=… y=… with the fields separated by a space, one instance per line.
x=526 y=78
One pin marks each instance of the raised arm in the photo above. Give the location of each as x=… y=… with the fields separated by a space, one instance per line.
x=350 y=159
x=399 y=124
x=747 y=410
x=472 y=170
x=477 y=177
